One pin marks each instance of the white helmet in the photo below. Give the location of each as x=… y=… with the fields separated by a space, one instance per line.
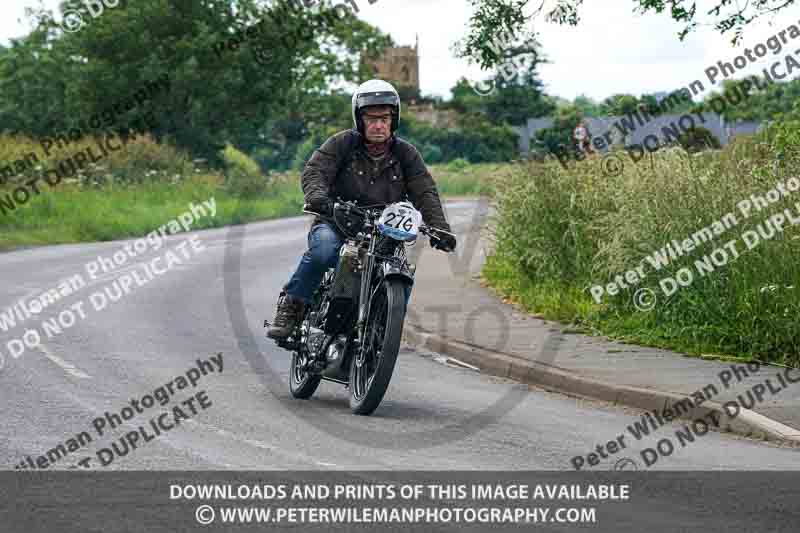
x=375 y=92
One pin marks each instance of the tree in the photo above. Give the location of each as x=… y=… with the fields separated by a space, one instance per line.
x=516 y=92
x=227 y=82
x=512 y=16
x=621 y=104
x=769 y=103
x=408 y=93
x=283 y=135
x=465 y=99
x=728 y=14
x=514 y=101
x=33 y=85
x=590 y=108
x=491 y=19
x=558 y=137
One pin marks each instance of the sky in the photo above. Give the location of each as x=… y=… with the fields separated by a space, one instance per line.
x=612 y=50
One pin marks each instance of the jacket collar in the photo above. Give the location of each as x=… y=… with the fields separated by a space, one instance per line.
x=362 y=142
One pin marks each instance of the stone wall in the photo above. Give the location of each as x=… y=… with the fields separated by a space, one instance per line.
x=440 y=118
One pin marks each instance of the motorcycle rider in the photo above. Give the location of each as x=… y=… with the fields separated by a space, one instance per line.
x=368 y=164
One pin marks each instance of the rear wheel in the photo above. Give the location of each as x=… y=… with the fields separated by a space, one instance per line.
x=302 y=383
x=370 y=379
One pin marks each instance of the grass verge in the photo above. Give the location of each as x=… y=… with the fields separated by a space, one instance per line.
x=75 y=212
x=562 y=233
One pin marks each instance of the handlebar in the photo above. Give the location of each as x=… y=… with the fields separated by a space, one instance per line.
x=371 y=211
x=349 y=207
x=434 y=232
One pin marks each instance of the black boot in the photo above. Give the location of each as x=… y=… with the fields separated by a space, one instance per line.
x=288 y=314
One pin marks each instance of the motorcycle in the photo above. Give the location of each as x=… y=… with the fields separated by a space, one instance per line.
x=350 y=333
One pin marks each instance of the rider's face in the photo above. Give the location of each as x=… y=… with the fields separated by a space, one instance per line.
x=377 y=123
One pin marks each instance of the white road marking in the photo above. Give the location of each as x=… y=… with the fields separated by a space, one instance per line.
x=115 y=274
x=257 y=443
x=457 y=362
x=68 y=367
x=453 y=362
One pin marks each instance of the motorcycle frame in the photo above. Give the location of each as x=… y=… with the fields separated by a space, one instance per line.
x=368 y=264
x=364 y=300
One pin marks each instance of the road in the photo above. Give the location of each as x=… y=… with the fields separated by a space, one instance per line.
x=434 y=416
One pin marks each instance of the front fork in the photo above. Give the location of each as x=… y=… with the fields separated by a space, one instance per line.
x=364 y=300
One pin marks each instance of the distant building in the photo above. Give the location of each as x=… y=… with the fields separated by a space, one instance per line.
x=637 y=127
x=744 y=127
x=399 y=66
x=439 y=118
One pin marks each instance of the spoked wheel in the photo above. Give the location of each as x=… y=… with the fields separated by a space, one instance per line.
x=302 y=383
x=370 y=379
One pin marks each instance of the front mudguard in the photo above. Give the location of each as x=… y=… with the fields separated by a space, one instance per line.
x=393 y=272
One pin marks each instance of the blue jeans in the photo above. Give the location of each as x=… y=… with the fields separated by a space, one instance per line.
x=323 y=253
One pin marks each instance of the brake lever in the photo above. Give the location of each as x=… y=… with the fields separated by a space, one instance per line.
x=437 y=230
x=432 y=232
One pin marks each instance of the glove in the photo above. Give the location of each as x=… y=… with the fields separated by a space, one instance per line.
x=445 y=243
x=323 y=207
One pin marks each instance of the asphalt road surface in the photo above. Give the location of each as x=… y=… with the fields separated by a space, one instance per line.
x=214 y=301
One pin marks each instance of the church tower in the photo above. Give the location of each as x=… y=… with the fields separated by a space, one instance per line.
x=399 y=65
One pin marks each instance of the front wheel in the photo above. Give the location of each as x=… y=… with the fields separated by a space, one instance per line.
x=369 y=381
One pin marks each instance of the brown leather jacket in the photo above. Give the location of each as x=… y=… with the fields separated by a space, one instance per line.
x=342 y=168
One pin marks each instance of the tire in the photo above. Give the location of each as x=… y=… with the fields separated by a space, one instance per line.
x=301 y=383
x=385 y=328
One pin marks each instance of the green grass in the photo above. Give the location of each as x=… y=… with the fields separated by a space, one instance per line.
x=472 y=180
x=73 y=214
x=551 y=299
x=571 y=305
x=559 y=232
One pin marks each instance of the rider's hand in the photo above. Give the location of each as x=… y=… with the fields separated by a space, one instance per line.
x=323 y=207
x=445 y=242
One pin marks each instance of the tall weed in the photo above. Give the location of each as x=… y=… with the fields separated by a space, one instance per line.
x=560 y=230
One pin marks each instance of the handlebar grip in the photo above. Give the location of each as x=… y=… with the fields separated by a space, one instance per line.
x=351 y=207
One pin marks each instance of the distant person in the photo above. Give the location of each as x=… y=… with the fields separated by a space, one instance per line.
x=583 y=138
